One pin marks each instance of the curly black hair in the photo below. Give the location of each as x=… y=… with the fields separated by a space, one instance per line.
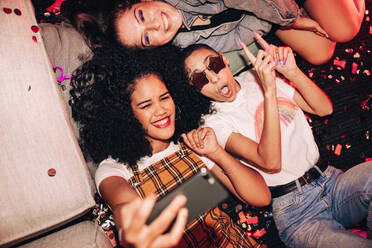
x=101 y=100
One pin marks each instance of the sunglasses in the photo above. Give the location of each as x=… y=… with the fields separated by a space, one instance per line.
x=199 y=79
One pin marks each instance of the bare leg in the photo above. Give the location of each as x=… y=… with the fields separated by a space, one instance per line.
x=341 y=19
x=313 y=48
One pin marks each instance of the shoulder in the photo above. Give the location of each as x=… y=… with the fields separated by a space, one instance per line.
x=111 y=167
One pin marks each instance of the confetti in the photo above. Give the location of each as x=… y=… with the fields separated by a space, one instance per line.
x=51 y=172
x=259 y=233
x=35 y=29
x=17 y=12
x=242 y=216
x=7 y=10
x=252 y=220
x=340 y=63
x=338 y=149
x=354 y=67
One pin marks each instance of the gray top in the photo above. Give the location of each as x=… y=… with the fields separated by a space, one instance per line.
x=223 y=37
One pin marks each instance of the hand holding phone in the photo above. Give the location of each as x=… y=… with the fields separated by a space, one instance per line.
x=134 y=232
x=203 y=191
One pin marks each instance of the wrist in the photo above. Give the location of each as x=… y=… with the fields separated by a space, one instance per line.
x=270 y=93
x=215 y=154
x=293 y=74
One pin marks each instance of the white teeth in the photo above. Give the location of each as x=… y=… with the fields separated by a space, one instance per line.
x=225 y=90
x=161 y=122
x=165 y=20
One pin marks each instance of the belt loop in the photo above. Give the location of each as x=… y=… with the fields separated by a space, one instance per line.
x=298 y=186
x=319 y=170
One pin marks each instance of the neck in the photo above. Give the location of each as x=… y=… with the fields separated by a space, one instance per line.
x=158 y=146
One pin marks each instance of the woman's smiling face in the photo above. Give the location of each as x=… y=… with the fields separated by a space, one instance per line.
x=148 y=24
x=153 y=106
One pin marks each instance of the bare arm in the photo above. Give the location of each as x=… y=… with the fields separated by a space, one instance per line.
x=246 y=183
x=308 y=96
x=267 y=153
x=131 y=213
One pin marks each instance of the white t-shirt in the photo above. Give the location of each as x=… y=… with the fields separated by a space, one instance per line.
x=110 y=167
x=245 y=116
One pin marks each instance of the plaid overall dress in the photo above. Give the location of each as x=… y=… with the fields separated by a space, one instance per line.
x=214 y=228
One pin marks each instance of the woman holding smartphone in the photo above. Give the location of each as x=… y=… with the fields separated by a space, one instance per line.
x=133 y=110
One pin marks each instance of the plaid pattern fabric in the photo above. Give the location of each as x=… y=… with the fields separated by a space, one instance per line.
x=212 y=229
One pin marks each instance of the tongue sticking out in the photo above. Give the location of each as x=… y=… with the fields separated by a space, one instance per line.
x=225 y=90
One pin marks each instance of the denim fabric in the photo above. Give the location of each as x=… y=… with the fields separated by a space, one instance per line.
x=317 y=216
x=259 y=17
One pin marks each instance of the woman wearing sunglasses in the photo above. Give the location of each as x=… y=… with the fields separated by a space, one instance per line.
x=259 y=119
x=132 y=109
x=218 y=23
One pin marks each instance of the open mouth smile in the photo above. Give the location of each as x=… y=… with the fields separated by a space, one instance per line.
x=164 y=122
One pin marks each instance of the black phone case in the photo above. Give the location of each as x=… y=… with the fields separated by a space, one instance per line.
x=203 y=191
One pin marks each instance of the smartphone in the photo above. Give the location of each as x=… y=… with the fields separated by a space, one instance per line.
x=203 y=191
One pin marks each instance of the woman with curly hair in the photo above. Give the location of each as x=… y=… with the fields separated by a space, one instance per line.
x=133 y=110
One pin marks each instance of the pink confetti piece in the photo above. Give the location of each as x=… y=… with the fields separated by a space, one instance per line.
x=361 y=233
x=35 y=29
x=338 y=150
x=7 y=10
x=354 y=67
x=52 y=172
x=340 y=63
x=252 y=220
x=259 y=233
x=242 y=216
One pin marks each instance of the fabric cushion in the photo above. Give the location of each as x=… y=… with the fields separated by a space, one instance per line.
x=85 y=234
x=44 y=181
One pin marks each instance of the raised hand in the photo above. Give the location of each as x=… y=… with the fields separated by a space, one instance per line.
x=283 y=57
x=265 y=64
x=202 y=141
x=134 y=231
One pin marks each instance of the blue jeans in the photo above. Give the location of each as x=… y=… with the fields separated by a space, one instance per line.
x=316 y=214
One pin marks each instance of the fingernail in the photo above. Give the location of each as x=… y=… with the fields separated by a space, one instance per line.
x=266 y=49
x=240 y=42
x=281 y=62
x=276 y=61
x=285 y=61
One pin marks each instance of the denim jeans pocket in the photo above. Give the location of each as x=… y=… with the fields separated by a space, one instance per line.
x=283 y=208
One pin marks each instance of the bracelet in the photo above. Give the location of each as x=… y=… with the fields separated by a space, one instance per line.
x=229 y=172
